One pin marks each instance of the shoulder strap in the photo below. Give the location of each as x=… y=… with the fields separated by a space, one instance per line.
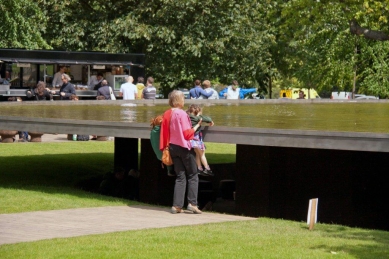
x=168 y=136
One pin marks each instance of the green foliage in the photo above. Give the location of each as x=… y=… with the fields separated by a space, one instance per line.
x=22 y=23
x=183 y=40
x=375 y=60
x=323 y=49
x=253 y=41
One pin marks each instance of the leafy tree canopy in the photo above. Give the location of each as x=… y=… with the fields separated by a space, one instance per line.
x=324 y=44
x=22 y=23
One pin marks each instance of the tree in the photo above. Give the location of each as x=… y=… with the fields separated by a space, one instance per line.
x=21 y=24
x=324 y=48
x=183 y=40
x=356 y=29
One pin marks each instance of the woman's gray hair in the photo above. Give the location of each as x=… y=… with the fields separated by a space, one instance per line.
x=66 y=76
x=176 y=99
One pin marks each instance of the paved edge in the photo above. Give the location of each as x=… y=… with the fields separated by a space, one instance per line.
x=40 y=225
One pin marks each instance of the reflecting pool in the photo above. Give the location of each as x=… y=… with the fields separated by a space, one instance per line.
x=328 y=116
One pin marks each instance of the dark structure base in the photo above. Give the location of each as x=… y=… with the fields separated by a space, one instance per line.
x=278 y=183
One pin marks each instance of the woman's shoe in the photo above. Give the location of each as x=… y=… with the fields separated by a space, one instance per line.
x=194 y=209
x=175 y=210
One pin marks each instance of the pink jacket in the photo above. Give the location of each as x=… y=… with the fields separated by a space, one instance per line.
x=176 y=125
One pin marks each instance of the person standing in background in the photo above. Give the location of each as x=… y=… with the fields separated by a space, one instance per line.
x=100 y=79
x=235 y=92
x=198 y=91
x=208 y=89
x=57 y=80
x=140 y=86
x=301 y=95
x=150 y=91
x=128 y=90
x=92 y=82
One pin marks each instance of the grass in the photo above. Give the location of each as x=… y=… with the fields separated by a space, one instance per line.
x=41 y=176
x=262 y=238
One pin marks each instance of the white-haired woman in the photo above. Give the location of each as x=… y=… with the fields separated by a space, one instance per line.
x=177 y=131
x=67 y=89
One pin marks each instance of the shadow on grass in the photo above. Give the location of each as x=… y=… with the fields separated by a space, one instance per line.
x=55 y=173
x=378 y=247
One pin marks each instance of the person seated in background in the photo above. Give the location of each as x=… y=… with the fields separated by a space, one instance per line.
x=67 y=89
x=74 y=97
x=40 y=92
x=104 y=90
x=235 y=92
x=23 y=135
x=15 y=99
x=3 y=81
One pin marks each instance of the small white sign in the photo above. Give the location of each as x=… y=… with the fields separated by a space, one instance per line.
x=98 y=66
x=23 y=64
x=313 y=210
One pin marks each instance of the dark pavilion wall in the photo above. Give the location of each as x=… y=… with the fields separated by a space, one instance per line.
x=278 y=183
x=155 y=186
x=126 y=153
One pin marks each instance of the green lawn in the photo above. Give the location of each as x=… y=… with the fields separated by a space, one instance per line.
x=41 y=176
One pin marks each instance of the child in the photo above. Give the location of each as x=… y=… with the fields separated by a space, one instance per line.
x=194 y=112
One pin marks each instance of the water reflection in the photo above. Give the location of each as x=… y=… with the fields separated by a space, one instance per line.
x=331 y=116
x=127 y=114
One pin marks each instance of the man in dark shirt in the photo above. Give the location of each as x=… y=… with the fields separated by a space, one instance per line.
x=100 y=79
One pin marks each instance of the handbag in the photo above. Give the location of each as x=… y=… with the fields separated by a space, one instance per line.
x=166 y=157
x=112 y=94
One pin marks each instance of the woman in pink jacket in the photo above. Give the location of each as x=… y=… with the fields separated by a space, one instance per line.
x=177 y=131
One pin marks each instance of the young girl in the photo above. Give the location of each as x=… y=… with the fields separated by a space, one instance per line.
x=194 y=112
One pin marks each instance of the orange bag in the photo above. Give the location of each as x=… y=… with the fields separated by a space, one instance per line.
x=166 y=158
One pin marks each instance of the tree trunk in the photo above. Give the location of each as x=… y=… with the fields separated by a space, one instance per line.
x=270 y=88
x=367 y=33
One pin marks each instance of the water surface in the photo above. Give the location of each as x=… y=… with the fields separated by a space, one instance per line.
x=328 y=116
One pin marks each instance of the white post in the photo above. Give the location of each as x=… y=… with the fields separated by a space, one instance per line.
x=312 y=213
